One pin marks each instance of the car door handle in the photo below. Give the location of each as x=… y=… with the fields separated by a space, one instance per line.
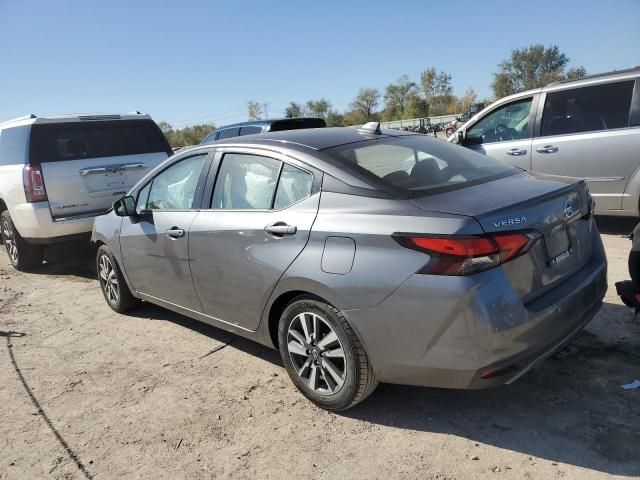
x=93 y=171
x=547 y=149
x=133 y=166
x=175 y=232
x=280 y=229
x=516 y=152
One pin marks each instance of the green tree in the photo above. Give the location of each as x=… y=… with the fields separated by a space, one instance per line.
x=417 y=106
x=532 y=67
x=435 y=84
x=397 y=95
x=294 y=110
x=318 y=108
x=186 y=136
x=366 y=103
x=334 y=118
x=254 y=110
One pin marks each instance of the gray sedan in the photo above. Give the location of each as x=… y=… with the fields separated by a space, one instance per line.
x=363 y=255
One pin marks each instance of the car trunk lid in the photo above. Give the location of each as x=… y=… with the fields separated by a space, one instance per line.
x=560 y=214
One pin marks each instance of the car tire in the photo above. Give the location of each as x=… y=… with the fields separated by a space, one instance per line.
x=22 y=255
x=449 y=132
x=324 y=359
x=113 y=285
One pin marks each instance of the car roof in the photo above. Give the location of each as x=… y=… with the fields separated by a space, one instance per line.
x=313 y=138
x=73 y=117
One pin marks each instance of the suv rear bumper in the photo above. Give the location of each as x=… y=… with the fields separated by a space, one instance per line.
x=34 y=223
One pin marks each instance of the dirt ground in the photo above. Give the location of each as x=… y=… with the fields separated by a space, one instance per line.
x=87 y=393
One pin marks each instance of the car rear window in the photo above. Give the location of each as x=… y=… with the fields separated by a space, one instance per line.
x=420 y=165
x=57 y=142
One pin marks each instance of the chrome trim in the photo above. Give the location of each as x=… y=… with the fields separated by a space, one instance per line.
x=112 y=168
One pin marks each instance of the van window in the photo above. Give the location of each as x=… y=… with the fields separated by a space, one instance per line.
x=587 y=109
x=57 y=142
x=229 y=132
x=250 y=130
x=508 y=122
x=210 y=138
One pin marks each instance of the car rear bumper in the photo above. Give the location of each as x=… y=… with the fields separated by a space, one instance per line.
x=453 y=331
x=34 y=223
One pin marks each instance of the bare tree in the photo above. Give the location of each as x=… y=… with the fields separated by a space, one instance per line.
x=254 y=110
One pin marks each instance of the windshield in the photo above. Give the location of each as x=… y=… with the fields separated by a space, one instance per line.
x=421 y=164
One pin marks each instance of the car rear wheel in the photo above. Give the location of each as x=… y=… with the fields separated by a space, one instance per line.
x=323 y=356
x=114 y=287
x=22 y=255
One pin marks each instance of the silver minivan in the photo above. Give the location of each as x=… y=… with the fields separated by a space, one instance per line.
x=583 y=129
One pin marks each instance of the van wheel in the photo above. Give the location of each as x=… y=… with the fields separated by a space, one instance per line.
x=323 y=356
x=22 y=255
x=113 y=285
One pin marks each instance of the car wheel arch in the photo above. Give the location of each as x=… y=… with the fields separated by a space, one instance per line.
x=293 y=288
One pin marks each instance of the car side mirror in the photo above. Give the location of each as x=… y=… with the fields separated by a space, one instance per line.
x=460 y=137
x=125 y=207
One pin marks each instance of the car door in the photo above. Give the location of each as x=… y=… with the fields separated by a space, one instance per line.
x=154 y=244
x=584 y=133
x=261 y=212
x=505 y=133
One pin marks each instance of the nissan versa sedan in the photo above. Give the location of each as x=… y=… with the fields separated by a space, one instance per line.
x=363 y=255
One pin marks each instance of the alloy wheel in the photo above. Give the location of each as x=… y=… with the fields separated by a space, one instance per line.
x=10 y=242
x=316 y=353
x=109 y=280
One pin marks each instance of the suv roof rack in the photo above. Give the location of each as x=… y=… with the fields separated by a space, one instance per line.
x=597 y=75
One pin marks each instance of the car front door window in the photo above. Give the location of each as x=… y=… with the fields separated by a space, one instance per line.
x=508 y=122
x=175 y=187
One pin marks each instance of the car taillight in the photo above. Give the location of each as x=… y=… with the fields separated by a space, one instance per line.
x=34 y=184
x=465 y=255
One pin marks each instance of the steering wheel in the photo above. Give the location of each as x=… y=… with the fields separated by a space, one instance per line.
x=502 y=132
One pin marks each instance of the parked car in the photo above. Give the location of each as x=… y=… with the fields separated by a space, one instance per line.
x=57 y=173
x=581 y=129
x=261 y=126
x=363 y=255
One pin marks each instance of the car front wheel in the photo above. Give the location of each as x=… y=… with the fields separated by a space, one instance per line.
x=113 y=285
x=323 y=356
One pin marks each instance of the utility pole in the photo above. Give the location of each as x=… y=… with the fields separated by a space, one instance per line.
x=265 y=109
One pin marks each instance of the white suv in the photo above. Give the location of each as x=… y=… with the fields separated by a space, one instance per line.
x=58 y=173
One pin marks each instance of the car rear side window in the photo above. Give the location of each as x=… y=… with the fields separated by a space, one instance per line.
x=246 y=182
x=57 y=142
x=420 y=164
x=587 y=109
x=294 y=185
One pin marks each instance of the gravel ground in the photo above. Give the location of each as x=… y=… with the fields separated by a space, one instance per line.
x=87 y=393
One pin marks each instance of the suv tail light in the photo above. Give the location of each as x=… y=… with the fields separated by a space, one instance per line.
x=34 y=184
x=466 y=255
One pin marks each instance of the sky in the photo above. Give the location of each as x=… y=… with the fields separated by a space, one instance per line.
x=196 y=61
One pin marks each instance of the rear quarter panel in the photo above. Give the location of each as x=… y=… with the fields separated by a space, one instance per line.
x=380 y=265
